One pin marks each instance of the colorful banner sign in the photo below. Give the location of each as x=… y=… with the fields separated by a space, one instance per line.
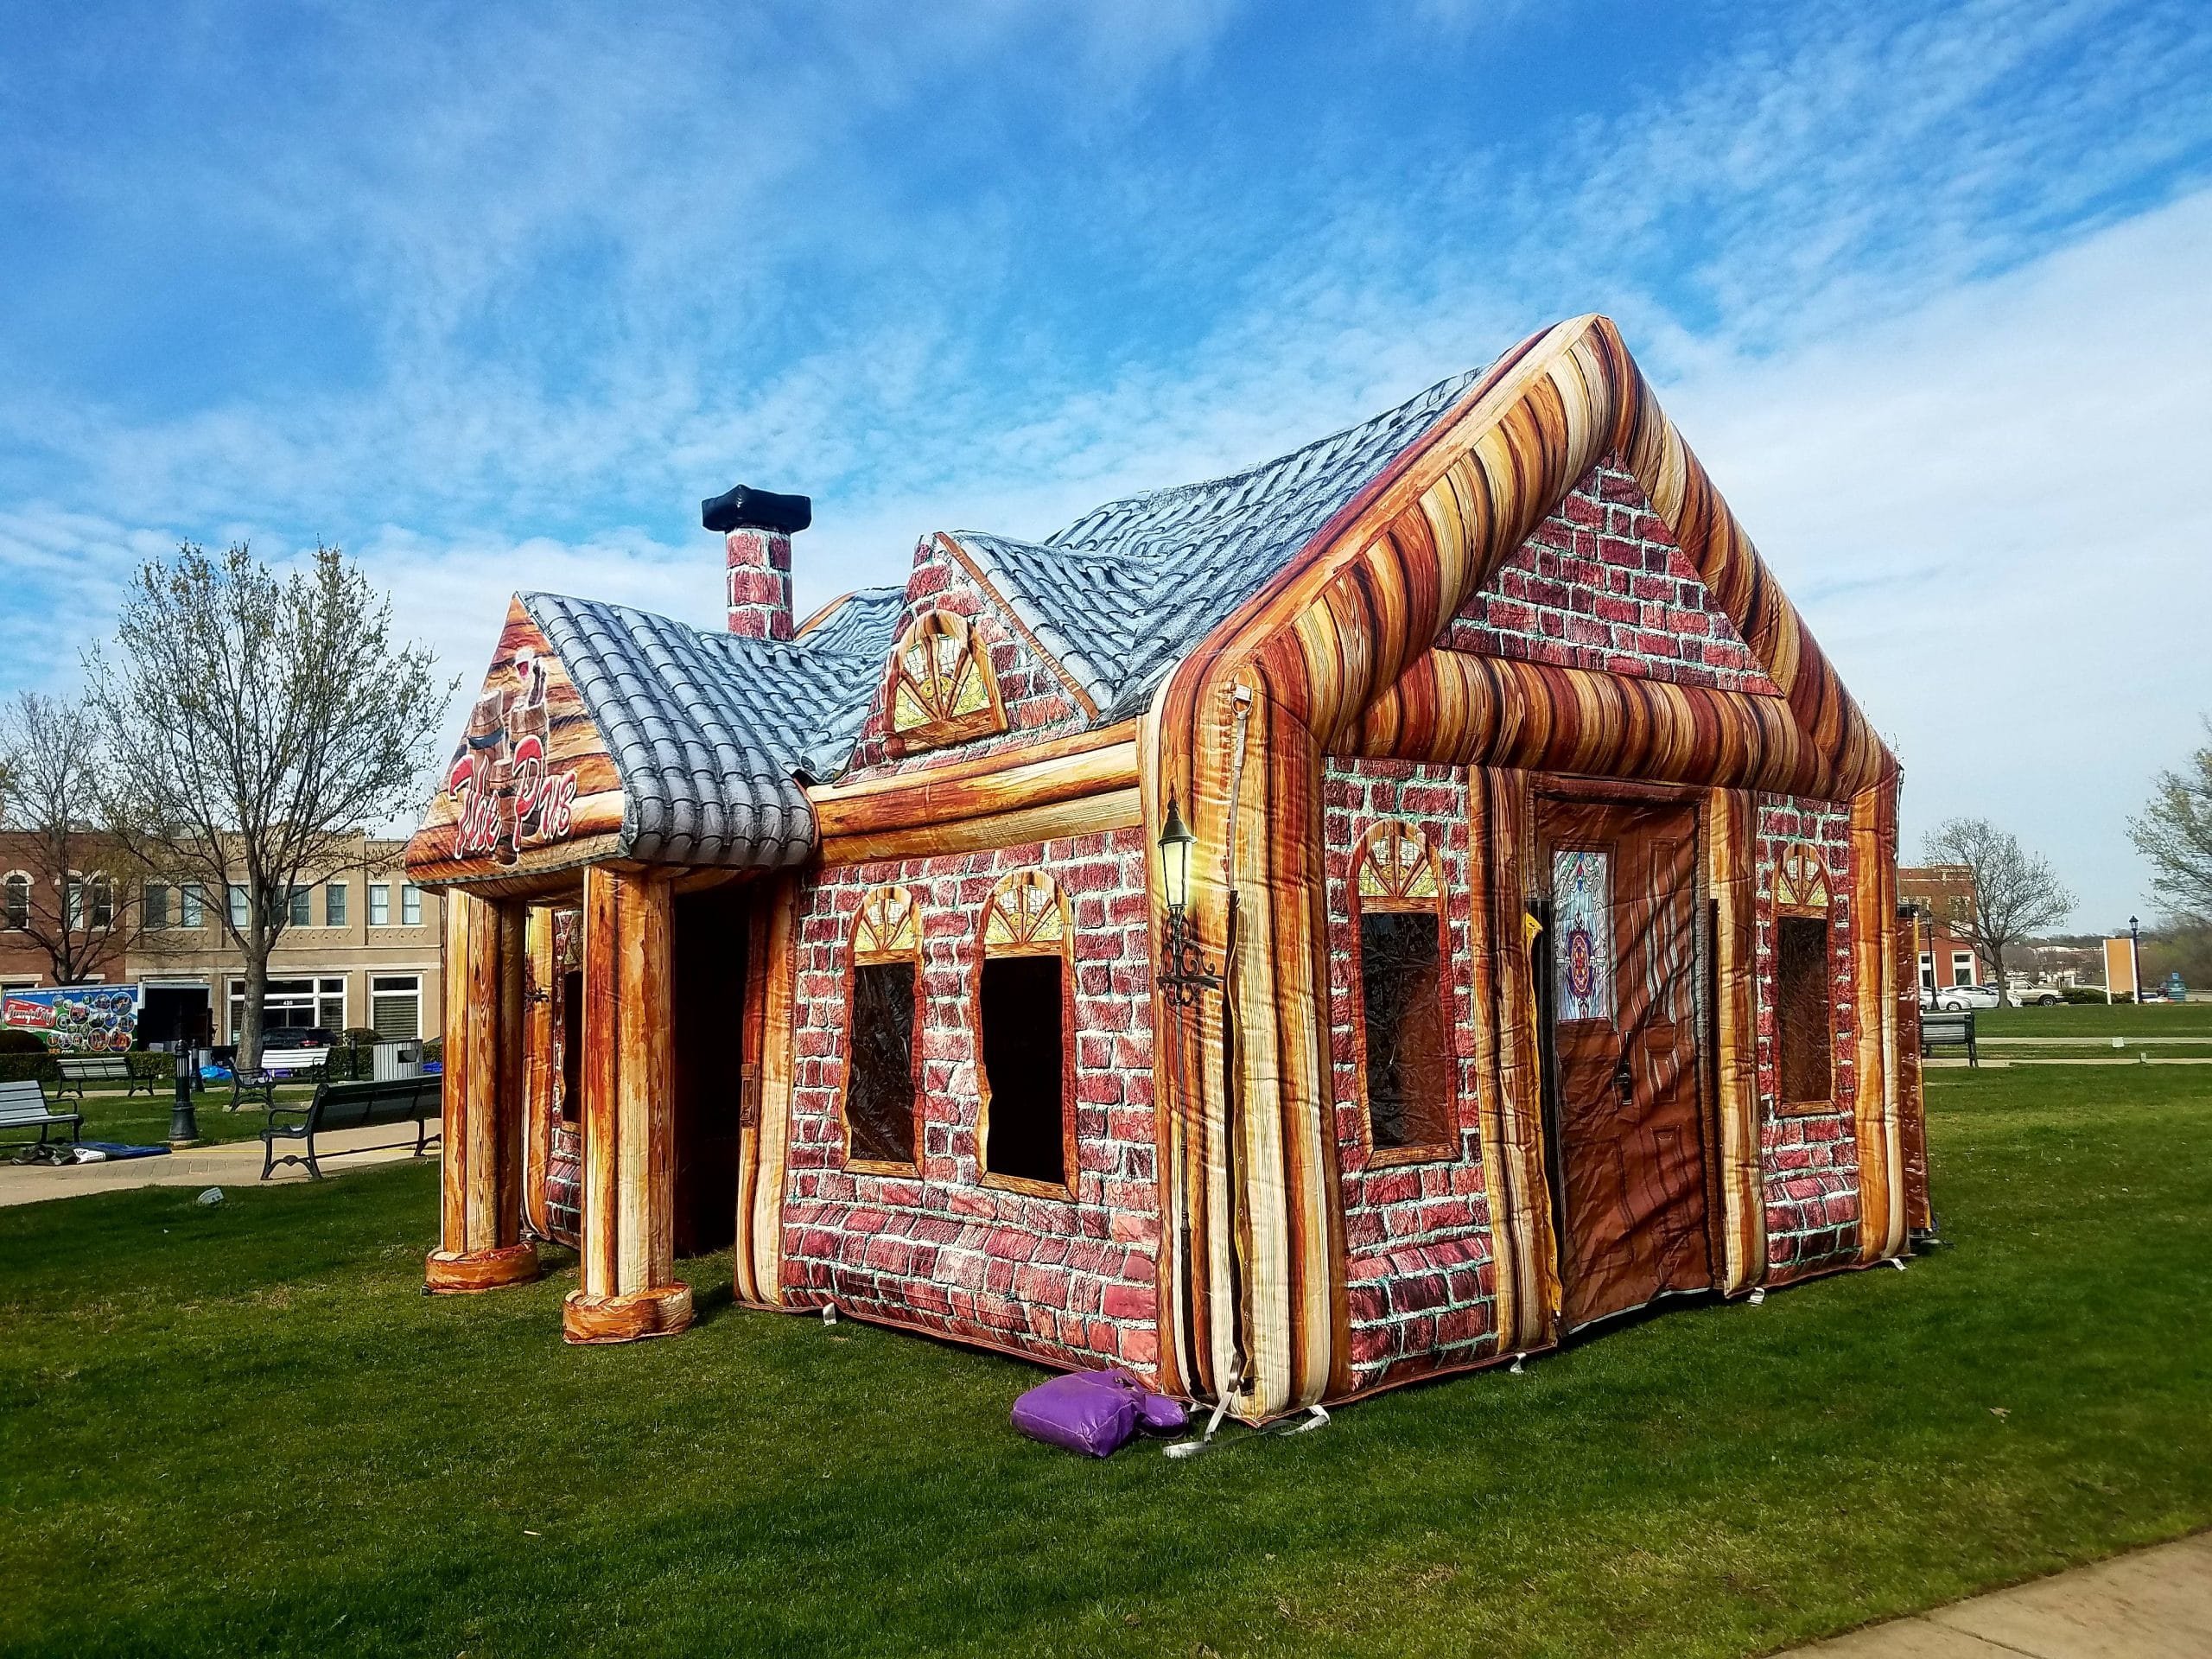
x=76 y=1019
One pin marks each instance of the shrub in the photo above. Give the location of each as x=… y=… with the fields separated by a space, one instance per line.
x=29 y=1068
x=20 y=1042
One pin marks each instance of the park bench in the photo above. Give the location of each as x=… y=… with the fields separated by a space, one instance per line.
x=78 y=1070
x=22 y=1106
x=350 y=1106
x=1947 y=1031
x=260 y=1083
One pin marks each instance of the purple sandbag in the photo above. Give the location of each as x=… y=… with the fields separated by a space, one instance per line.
x=1158 y=1414
x=1093 y=1412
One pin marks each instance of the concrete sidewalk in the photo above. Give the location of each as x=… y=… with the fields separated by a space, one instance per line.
x=237 y=1164
x=2155 y=1604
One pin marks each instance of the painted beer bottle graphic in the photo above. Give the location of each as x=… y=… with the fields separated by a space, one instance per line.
x=508 y=794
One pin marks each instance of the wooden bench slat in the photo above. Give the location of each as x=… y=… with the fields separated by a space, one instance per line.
x=22 y=1106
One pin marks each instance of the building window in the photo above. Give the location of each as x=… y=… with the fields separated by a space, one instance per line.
x=1405 y=1056
x=238 y=906
x=880 y=1088
x=294 y=1004
x=153 y=906
x=395 y=1007
x=942 y=687
x=410 y=906
x=15 y=901
x=1927 y=970
x=379 y=905
x=296 y=910
x=333 y=904
x=1961 y=967
x=90 y=903
x=1804 y=1024
x=1026 y=1124
x=192 y=905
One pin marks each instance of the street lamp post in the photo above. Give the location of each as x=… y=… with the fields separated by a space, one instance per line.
x=184 y=1124
x=2135 y=958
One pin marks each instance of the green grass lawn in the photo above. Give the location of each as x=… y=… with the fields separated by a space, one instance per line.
x=2095 y=1020
x=244 y=1429
x=113 y=1113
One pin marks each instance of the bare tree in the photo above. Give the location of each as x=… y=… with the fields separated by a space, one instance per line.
x=2175 y=834
x=252 y=722
x=69 y=885
x=2015 y=892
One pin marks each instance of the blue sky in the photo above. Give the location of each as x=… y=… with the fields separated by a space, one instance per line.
x=492 y=296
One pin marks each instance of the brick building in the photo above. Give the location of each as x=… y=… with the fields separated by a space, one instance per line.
x=1943 y=899
x=362 y=948
x=1376 y=914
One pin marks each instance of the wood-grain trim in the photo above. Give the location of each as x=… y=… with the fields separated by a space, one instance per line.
x=1119 y=809
x=1046 y=774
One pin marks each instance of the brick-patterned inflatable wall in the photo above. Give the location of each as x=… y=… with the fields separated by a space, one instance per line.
x=1810 y=1159
x=1071 y=1283
x=1602 y=584
x=1416 y=1234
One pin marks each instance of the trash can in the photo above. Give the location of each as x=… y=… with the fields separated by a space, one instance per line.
x=391 y=1061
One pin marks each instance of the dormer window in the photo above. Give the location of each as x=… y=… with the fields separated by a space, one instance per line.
x=943 y=689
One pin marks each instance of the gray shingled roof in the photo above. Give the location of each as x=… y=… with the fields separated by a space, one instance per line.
x=707 y=730
x=1124 y=592
x=711 y=733
x=858 y=621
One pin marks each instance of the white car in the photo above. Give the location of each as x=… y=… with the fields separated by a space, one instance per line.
x=2036 y=996
x=1957 y=999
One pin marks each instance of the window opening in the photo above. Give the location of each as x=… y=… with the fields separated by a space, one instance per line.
x=1405 y=1044
x=1021 y=998
x=880 y=1080
x=1804 y=1024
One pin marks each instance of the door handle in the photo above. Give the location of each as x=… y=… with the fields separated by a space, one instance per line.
x=1625 y=1080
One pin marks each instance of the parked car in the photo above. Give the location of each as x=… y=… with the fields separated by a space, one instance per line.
x=1957 y=999
x=2037 y=996
x=298 y=1037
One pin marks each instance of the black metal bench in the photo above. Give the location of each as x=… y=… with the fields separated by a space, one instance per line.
x=78 y=1070
x=1947 y=1031
x=22 y=1106
x=351 y=1106
x=261 y=1083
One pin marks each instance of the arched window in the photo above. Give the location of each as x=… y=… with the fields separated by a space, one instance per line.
x=943 y=689
x=1024 y=1014
x=16 y=901
x=1804 y=1004
x=1405 y=1055
x=884 y=1061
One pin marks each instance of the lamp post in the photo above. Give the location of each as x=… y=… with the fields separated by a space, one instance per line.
x=1184 y=970
x=2135 y=958
x=184 y=1124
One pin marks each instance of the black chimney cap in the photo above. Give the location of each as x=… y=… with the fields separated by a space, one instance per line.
x=744 y=508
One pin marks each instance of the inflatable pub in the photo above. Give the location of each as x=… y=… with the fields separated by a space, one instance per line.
x=1379 y=914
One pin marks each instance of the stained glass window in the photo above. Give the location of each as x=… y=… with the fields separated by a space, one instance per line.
x=1582 y=933
x=942 y=687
